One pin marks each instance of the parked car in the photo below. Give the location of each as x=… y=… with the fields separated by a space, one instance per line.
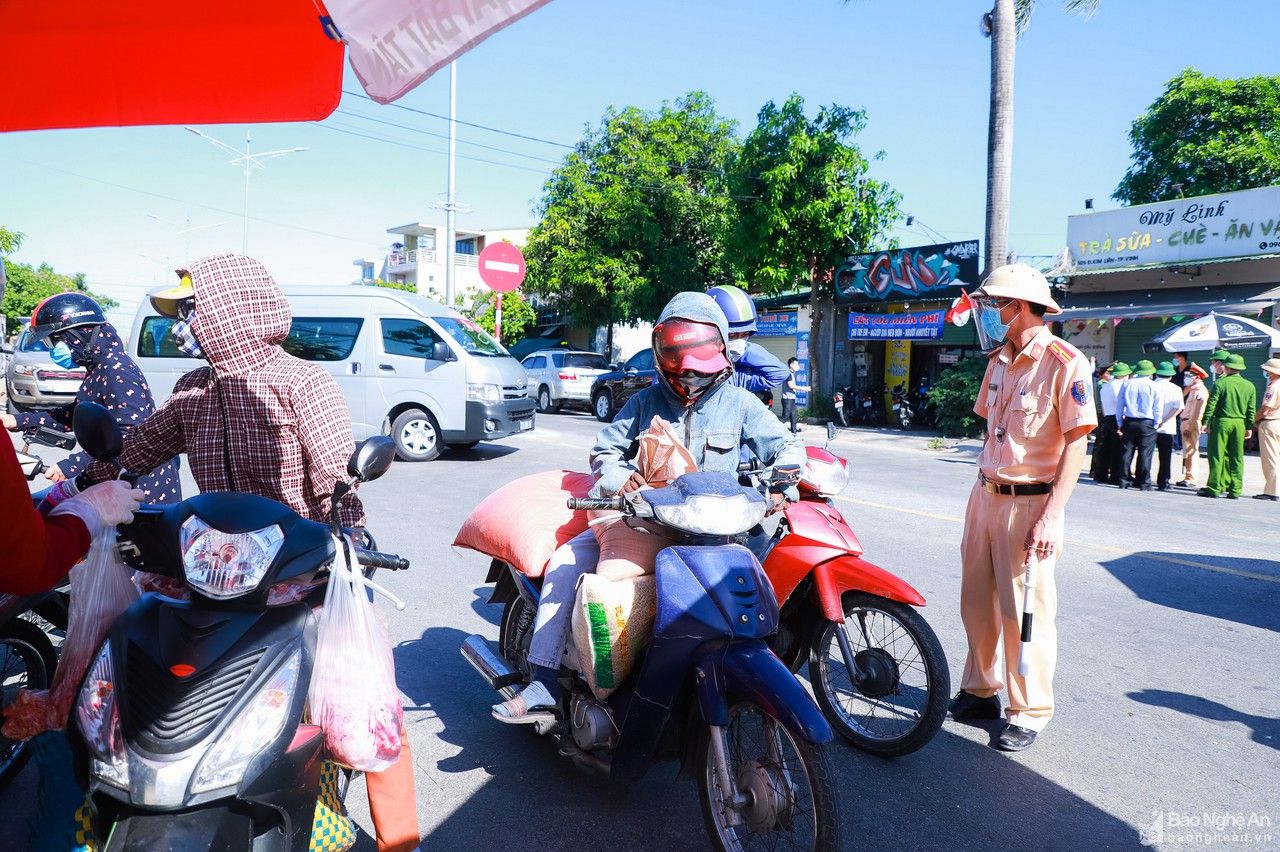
x=409 y=367
x=563 y=377
x=611 y=390
x=32 y=380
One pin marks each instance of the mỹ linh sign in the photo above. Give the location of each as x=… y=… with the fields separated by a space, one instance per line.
x=396 y=44
x=1211 y=227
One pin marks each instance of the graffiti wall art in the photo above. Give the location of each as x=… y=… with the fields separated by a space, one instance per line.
x=920 y=272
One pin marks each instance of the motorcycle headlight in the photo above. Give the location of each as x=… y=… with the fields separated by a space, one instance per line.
x=99 y=721
x=224 y=565
x=705 y=514
x=825 y=477
x=252 y=730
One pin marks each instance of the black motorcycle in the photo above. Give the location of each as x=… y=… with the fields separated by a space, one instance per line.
x=190 y=718
x=29 y=623
x=903 y=410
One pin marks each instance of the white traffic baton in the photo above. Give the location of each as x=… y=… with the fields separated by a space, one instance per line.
x=1028 y=596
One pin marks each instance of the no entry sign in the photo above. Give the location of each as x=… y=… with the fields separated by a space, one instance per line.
x=501 y=267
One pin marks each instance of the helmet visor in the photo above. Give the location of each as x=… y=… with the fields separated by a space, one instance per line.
x=680 y=345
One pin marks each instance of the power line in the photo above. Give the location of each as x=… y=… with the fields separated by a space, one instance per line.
x=446 y=136
x=511 y=133
x=351 y=132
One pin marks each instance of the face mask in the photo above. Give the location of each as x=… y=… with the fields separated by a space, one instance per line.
x=184 y=338
x=695 y=385
x=994 y=330
x=737 y=348
x=60 y=354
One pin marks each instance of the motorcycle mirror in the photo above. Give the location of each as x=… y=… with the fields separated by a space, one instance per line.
x=97 y=431
x=54 y=438
x=372 y=458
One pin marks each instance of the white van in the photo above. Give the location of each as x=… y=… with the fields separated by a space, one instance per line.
x=409 y=367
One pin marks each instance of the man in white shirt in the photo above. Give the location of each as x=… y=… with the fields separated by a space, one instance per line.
x=1109 y=443
x=1170 y=396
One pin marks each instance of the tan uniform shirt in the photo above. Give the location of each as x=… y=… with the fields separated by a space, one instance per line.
x=1031 y=400
x=1193 y=407
x=1270 y=408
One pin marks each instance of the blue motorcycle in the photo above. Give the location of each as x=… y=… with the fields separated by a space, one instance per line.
x=707 y=691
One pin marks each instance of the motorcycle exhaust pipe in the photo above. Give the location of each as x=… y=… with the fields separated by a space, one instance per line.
x=495 y=670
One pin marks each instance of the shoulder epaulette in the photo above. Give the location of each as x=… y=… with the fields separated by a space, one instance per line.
x=1061 y=351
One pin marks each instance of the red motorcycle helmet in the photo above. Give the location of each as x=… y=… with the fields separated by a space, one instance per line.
x=682 y=346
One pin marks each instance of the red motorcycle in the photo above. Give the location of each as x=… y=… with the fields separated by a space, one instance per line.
x=877 y=669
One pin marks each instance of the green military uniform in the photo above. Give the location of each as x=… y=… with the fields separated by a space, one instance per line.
x=1229 y=412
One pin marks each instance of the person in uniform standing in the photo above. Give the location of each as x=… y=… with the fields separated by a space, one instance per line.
x=1268 y=426
x=1170 y=397
x=1036 y=397
x=1108 y=398
x=1230 y=412
x=1138 y=412
x=1100 y=463
x=1192 y=420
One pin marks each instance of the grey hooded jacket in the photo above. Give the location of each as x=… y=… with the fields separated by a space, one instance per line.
x=723 y=418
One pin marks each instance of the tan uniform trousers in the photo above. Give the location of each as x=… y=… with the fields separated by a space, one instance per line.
x=1269 y=450
x=1191 y=452
x=991 y=591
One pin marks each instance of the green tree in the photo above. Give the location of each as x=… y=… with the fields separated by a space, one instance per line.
x=27 y=286
x=1207 y=134
x=953 y=395
x=804 y=202
x=636 y=213
x=517 y=315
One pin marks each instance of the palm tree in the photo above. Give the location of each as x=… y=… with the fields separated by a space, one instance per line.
x=1006 y=20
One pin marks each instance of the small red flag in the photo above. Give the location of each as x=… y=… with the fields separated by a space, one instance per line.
x=961 y=309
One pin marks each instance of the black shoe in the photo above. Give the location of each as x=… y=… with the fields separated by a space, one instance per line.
x=966 y=705
x=1265 y=497
x=1148 y=488
x=1205 y=492
x=1015 y=738
x=1123 y=485
x=1182 y=483
x=1162 y=488
x=1233 y=496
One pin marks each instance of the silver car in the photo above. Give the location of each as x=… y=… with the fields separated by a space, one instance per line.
x=32 y=380
x=563 y=376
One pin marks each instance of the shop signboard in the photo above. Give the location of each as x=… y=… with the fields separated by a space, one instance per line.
x=916 y=325
x=777 y=324
x=1184 y=230
x=1094 y=340
x=937 y=271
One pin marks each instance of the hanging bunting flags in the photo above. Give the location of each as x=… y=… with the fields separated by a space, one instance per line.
x=1117 y=320
x=1180 y=319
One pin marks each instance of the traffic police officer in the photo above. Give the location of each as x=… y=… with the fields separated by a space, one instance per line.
x=1037 y=399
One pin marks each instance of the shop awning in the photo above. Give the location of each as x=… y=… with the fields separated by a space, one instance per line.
x=1183 y=301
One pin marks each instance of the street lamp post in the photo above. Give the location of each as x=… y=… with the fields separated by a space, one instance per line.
x=248 y=161
x=185 y=231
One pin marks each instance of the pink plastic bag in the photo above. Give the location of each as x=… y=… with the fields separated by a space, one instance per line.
x=101 y=588
x=353 y=697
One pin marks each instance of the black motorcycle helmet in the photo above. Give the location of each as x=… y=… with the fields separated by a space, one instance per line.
x=64 y=311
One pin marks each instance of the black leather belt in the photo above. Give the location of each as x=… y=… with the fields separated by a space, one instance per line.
x=1029 y=489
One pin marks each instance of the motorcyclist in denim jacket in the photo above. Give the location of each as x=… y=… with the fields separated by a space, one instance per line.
x=713 y=419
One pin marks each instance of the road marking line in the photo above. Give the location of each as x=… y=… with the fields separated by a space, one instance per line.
x=1105 y=548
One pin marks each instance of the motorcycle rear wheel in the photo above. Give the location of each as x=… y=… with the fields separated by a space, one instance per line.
x=901 y=700
x=27 y=660
x=789 y=783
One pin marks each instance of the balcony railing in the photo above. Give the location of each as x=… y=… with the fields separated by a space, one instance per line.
x=413 y=256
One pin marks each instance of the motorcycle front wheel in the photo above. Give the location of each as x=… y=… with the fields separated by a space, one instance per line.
x=895 y=699
x=27 y=661
x=786 y=784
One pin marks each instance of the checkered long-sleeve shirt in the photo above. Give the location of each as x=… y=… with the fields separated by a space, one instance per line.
x=258 y=420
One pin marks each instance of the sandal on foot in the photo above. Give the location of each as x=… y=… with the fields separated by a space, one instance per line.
x=531 y=704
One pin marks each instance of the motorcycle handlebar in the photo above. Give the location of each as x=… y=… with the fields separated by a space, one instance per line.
x=377 y=559
x=603 y=504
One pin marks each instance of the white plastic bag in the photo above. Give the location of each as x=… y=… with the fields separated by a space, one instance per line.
x=101 y=588
x=353 y=696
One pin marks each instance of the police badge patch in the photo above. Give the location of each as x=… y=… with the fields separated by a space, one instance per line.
x=1079 y=392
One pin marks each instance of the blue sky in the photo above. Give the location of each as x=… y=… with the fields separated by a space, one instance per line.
x=920 y=69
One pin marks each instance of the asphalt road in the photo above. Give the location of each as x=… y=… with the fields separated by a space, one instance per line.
x=1167 y=688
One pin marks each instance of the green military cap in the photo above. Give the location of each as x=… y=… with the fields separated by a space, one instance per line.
x=1234 y=361
x=1166 y=369
x=1218 y=355
x=1120 y=369
x=1144 y=368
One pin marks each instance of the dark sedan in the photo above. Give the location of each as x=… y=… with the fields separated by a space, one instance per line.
x=610 y=391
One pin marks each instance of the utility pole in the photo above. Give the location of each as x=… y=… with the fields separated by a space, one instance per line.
x=451 y=210
x=248 y=161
